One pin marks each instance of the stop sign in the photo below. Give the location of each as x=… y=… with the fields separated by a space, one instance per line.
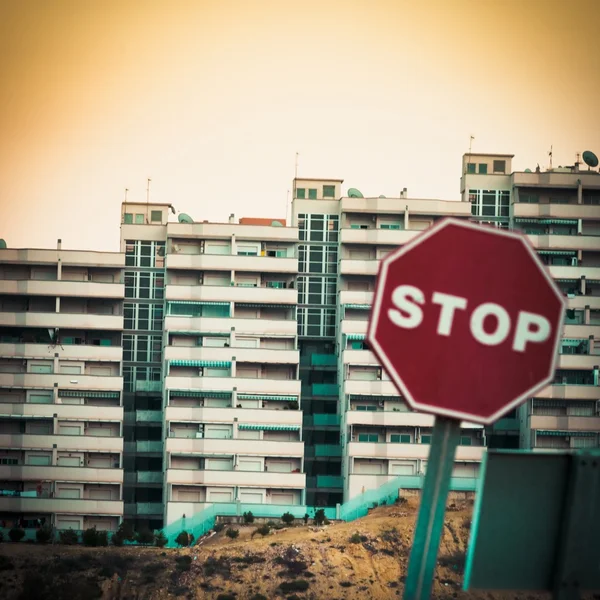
x=466 y=321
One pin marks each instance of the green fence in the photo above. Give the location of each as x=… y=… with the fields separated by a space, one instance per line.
x=323 y=360
x=325 y=389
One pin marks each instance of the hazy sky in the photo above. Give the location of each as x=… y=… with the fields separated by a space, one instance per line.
x=212 y=99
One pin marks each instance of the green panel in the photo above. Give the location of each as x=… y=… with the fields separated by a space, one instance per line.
x=328 y=450
x=356 y=336
x=267 y=397
x=558 y=252
x=517 y=521
x=199 y=363
x=198 y=394
x=329 y=481
x=559 y=221
x=269 y=427
x=325 y=389
x=323 y=360
x=325 y=420
x=358 y=306
x=87 y=394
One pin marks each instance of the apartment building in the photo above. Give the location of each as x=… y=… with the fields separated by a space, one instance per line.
x=61 y=411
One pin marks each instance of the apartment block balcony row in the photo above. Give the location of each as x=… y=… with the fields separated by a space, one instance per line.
x=175 y=355
x=403 y=451
x=61 y=320
x=269 y=416
x=65 y=351
x=50 y=380
x=250 y=326
x=24 y=472
x=78 y=412
x=264 y=294
x=62 y=442
x=60 y=506
x=255 y=494
x=239 y=231
x=556 y=211
x=225 y=262
x=62 y=288
x=176 y=445
x=289 y=387
x=83 y=258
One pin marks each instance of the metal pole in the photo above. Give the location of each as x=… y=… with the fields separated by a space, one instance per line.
x=430 y=522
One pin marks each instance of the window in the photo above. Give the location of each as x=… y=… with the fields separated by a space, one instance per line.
x=139 y=219
x=403 y=438
x=144 y=254
x=482 y=169
x=300 y=193
x=143 y=316
x=390 y=226
x=529 y=199
x=316 y=322
x=329 y=191
x=144 y=285
x=128 y=218
x=465 y=440
x=368 y=437
x=499 y=166
x=471 y=168
x=490 y=203
x=247 y=250
x=312 y=194
x=367 y=407
x=156 y=216
x=425 y=439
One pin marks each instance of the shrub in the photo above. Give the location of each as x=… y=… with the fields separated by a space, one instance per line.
x=43 y=535
x=102 y=538
x=319 y=517
x=68 y=537
x=272 y=524
x=127 y=531
x=144 y=537
x=263 y=530
x=183 y=539
x=90 y=537
x=160 y=539
x=297 y=585
x=232 y=533
x=183 y=563
x=288 y=518
x=306 y=517
x=219 y=527
x=16 y=534
x=117 y=539
x=355 y=538
x=248 y=517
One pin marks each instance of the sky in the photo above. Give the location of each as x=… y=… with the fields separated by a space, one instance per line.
x=212 y=99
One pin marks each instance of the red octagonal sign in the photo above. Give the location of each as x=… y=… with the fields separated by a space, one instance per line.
x=466 y=321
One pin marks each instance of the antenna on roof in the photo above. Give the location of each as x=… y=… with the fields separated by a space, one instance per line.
x=550 y=155
x=471 y=138
x=126 y=190
x=296 y=166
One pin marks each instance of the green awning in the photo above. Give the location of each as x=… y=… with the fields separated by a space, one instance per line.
x=198 y=394
x=558 y=221
x=356 y=336
x=567 y=280
x=549 y=403
x=197 y=303
x=263 y=305
x=256 y=427
x=372 y=398
x=200 y=363
x=358 y=306
x=87 y=394
x=572 y=342
x=558 y=252
x=198 y=333
x=267 y=397
x=524 y=220
x=566 y=433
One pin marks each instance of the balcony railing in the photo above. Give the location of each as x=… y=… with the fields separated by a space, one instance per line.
x=148 y=386
x=325 y=389
x=323 y=360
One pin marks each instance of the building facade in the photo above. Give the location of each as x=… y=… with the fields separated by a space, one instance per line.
x=227 y=362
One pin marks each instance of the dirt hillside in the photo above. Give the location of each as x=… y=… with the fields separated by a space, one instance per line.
x=365 y=559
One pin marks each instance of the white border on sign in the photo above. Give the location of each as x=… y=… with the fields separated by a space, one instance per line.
x=382 y=275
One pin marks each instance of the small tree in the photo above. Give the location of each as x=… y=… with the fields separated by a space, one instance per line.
x=219 y=527
x=160 y=539
x=44 y=534
x=288 y=518
x=127 y=531
x=68 y=537
x=144 y=537
x=102 y=538
x=232 y=533
x=117 y=539
x=306 y=517
x=183 y=539
x=319 y=517
x=90 y=537
x=248 y=517
x=16 y=534
x=263 y=530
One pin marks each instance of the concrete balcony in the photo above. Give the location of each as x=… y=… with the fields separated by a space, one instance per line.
x=582 y=301
x=570 y=392
x=47 y=380
x=387 y=237
x=230 y=262
x=236 y=478
x=61 y=320
x=230 y=293
x=578 y=361
x=262 y=233
x=385 y=450
x=352 y=297
x=352 y=326
x=256 y=355
x=144 y=447
x=556 y=211
x=265 y=327
x=84 y=258
x=289 y=387
x=574 y=272
x=62 y=288
x=350 y=266
x=581 y=331
x=54 y=473
x=74 y=443
x=61 y=506
x=550 y=179
x=566 y=242
x=414 y=206
x=229 y=447
x=564 y=423
x=79 y=352
x=82 y=412
x=367 y=388
x=359 y=357
x=396 y=419
x=183 y=414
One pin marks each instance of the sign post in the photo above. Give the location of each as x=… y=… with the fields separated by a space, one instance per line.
x=466 y=322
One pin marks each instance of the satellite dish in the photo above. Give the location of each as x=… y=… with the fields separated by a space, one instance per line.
x=527 y=170
x=2 y=244
x=276 y=224
x=354 y=193
x=590 y=159
x=183 y=218
x=382 y=196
